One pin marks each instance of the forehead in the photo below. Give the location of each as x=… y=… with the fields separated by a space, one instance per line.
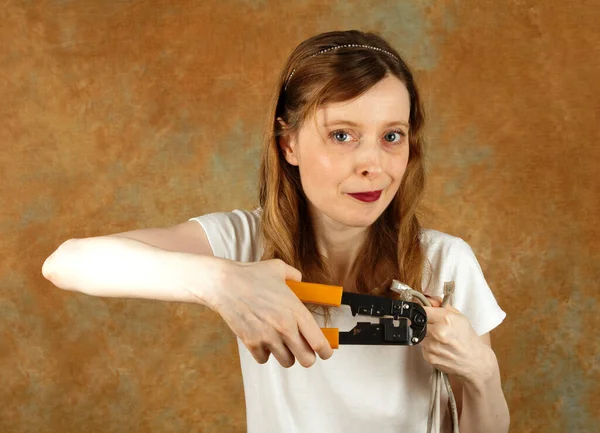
x=387 y=101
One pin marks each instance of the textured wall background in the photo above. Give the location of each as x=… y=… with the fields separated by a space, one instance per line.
x=116 y=115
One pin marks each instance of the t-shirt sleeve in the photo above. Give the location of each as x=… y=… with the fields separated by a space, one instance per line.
x=472 y=294
x=233 y=235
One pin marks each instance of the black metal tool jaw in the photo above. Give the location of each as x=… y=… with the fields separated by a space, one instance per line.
x=386 y=332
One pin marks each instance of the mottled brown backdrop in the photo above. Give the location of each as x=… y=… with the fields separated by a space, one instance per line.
x=118 y=114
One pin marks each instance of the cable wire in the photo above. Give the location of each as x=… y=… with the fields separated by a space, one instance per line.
x=437 y=377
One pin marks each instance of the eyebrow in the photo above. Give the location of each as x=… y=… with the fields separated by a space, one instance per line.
x=349 y=122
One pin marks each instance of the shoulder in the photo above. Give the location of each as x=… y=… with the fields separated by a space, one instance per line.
x=442 y=247
x=233 y=235
x=450 y=258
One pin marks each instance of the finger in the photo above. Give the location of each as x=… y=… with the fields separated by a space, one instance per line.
x=300 y=349
x=283 y=355
x=260 y=354
x=314 y=336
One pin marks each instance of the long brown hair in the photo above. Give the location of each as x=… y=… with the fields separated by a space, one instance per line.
x=392 y=248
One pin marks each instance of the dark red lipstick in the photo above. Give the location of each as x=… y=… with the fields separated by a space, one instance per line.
x=366 y=197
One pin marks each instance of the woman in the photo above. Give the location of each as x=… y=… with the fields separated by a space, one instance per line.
x=341 y=180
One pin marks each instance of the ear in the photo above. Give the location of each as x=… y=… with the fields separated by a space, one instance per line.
x=287 y=143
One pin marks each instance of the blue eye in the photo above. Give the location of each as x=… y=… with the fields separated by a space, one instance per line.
x=392 y=137
x=398 y=132
x=339 y=136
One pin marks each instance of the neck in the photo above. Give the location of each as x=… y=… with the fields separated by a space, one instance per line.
x=340 y=245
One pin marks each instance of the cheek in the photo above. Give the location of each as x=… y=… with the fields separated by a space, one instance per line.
x=397 y=167
x=317 y=168
x=320 y=160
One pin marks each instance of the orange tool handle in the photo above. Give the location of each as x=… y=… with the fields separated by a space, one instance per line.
x=313 y=293
x=333 y=336
x=321 y=294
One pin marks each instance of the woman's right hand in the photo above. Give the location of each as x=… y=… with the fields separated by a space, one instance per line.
x=267 y=316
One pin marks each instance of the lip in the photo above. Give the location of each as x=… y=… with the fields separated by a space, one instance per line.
x=367 y=197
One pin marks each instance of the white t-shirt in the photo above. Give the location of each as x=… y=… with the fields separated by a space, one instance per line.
x=385 y=389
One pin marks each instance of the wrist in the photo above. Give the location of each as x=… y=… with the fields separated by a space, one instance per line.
x=203 y=277
x=486 y=373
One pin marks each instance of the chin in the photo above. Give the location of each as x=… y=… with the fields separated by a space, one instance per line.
x=361 y=219
x=349 y=214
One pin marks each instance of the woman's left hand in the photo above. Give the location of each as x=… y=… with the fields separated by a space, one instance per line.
x=452 y=346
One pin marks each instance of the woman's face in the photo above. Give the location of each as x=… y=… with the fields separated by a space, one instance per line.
x=352 y=157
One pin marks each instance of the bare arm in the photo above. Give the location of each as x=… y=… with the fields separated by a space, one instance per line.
x=481 y=402
x=176 y=264
x=187 y=237
x=151 y=264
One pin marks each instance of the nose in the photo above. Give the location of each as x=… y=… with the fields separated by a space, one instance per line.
x=369 y=162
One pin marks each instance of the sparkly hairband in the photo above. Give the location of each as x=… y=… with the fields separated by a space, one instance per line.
x=338 y=47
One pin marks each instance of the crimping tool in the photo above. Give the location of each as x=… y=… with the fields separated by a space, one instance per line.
x=386 y=332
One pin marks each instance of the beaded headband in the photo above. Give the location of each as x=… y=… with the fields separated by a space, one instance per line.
x=338 y=47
